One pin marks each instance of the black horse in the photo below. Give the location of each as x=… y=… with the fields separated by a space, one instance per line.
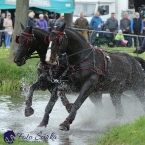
x=35 y=39
x=94 y=70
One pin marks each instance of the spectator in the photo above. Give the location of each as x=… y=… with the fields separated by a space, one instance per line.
x=52 y=23
x=31 y=21
x=125 y=27
x=41 y=23
x=3 y=15
x=144 y=26
x=52 y=15
x=47 y=20
x=1 y=28
x=137 y=28
x=112 y=24
x=118 y=39
x=60 y=20
x=95 y=24
x=8 y=25
x=82 y=23
x=125 y=24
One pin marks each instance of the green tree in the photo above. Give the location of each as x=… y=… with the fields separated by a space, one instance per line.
x=22 y=7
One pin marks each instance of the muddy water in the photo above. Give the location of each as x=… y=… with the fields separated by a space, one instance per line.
x=89 y=123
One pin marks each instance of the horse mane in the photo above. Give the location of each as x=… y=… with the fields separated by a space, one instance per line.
x=77 y=33
x=41 y=31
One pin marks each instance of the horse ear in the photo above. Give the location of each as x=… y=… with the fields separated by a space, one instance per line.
x=22 y=26
x=62 y=27
x=30 y=29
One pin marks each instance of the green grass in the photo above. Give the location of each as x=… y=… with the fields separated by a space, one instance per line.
x=128 y=50
x=128 y=134
x=17 y=142
x=11 y=75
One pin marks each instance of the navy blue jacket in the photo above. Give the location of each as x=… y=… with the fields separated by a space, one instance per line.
x=31 y=22
x=132 y=26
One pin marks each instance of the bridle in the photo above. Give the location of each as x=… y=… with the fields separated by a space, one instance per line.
x=60 y=37
x=82 y=65
x=28 y=40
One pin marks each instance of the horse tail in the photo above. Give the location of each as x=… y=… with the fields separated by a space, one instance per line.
x=141 y=61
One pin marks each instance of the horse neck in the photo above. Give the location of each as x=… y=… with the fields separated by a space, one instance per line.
x=42 y=47
x=79 y=51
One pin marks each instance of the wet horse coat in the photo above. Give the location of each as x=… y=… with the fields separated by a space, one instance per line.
x=125 y=73
x=39 y=42
x=35 y=39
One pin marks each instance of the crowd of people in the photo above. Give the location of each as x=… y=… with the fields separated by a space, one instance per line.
x=135 y=26
x=7 y=24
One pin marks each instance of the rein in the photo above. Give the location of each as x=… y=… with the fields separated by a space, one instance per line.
x=28 y=39
x=59 y=36
x=82 y=65
x=96 y=70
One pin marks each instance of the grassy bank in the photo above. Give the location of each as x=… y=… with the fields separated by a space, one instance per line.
x=12 y=76
x=17 y=142
x=128 y=134
x=128 y=50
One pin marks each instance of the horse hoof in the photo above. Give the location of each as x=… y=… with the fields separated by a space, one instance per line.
x=64 y=126
x=42 y=124
x=29 y=111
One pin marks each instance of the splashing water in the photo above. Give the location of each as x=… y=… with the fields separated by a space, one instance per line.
x=90 y=121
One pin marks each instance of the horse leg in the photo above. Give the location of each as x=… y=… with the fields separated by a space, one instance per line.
x=49 y=107
x=116 y=100
x=96 y=99
x=140 y=94
x=28 y=109
x=42 y=76
x=86 y=90
x=64 y=100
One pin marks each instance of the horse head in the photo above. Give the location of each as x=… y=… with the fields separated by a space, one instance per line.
x=64 y=39
x=31 y=40
x=25 y=40
x=57 y=44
